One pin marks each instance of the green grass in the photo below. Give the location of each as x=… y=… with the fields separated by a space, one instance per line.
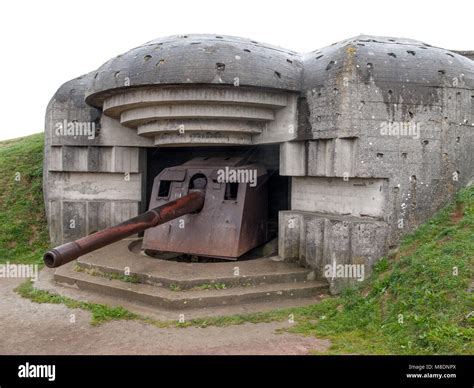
x=108 y=275
x=175 y=287
x=201 y=287
x=212 y=286
x=412 y=304
x=23 y=231
x=100 y=313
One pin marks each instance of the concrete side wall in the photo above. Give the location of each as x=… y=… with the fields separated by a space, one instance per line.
x=94 y=179
x=317 y=240
x=353 y=94
x=94 y=159
x=354 y=197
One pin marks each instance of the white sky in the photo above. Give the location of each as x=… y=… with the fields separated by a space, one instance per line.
x=46 y=43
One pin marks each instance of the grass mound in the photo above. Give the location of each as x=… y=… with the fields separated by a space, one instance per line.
x=420 y=302
x=23 y=229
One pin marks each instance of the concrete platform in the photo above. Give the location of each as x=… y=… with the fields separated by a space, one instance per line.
x=167 y=288
x=166 y=298
x=163 y=273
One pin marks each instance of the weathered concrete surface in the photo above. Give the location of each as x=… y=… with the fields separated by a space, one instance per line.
x=180 y=301
x=198 y=115
x=353 y=91
x=117 y=257
x=467 y=54
x=46 y=282
x=80 y=165
x=198 y=59
x=366 y=109
x=354 y=197
x=318 y=240
x=27 y=328
x=172 y=288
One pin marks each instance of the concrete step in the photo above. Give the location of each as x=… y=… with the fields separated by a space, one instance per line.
x=167 y=273
x=287 y=275
x=164 y=297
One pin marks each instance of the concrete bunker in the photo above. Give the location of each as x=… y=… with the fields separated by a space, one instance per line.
x=361 y=141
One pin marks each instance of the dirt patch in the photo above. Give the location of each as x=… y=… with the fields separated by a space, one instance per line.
x=444 y=240
x=407 y=251
x=458 y=213
x=32 y=328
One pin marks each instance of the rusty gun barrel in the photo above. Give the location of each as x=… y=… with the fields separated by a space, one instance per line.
x=191 y=203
